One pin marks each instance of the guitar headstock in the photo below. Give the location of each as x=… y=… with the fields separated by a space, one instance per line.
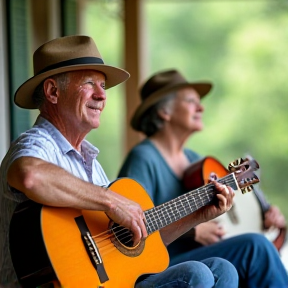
x=243 y=170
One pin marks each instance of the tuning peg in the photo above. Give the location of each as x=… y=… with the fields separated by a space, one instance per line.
x=235 y=165
x=247 y=189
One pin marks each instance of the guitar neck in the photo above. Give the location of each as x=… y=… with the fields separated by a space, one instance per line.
x=265 y=206
x=167 y=213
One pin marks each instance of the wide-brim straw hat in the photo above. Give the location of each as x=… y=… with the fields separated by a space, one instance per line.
x=158 y=86
x=66 y=54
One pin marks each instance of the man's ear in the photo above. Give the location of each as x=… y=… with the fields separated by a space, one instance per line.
x=50 y=90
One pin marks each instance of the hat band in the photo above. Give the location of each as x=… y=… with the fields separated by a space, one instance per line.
x=71 y=62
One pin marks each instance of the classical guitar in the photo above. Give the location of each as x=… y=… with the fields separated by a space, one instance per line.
x=84 y=248
x=238 y=219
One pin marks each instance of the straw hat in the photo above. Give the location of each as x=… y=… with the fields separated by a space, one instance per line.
x=65 y=54
x=158 y=86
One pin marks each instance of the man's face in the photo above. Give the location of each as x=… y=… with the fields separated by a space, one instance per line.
x=187 y=110
x=83 y=100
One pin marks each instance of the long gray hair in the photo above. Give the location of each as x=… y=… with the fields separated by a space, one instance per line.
x=151 y=122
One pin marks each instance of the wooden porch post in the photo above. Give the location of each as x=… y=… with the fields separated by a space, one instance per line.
x=134 y=64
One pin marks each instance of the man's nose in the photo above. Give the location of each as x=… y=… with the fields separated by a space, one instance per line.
x=99 y=93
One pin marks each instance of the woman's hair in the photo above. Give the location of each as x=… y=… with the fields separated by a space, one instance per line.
x=38 y=96
x=151 y=122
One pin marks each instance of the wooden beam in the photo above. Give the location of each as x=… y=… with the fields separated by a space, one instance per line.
x=134 y=55
x=45 y=21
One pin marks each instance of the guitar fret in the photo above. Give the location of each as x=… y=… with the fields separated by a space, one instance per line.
x=169 y=212
x=160 y=218
x=148 y=221
x=155 y=227
x=187 y=201
x=163 y=212
x=183 y=206
x=175 y=209
x=163 y=217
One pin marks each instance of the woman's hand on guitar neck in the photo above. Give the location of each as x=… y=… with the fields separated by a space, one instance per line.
x=274 y=218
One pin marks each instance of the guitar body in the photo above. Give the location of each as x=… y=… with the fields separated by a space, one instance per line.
x=198 y=174
x=81 y=248
x=68 y=258
x=246 y=214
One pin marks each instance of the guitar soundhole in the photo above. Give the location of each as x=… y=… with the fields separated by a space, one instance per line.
x=123 y=235
x=123 y=241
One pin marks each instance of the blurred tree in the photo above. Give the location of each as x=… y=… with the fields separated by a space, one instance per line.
x=240 y=46
x=103 y=22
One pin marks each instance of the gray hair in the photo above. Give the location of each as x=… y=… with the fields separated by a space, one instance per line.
x=38 y=96
x=151 y=122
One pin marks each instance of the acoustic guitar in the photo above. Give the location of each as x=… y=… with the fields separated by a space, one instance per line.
x=238 y=219
x=84 y=248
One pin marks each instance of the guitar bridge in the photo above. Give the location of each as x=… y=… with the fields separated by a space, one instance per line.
x=91 y=249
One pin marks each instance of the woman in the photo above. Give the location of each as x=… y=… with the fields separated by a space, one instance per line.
x=169 y=113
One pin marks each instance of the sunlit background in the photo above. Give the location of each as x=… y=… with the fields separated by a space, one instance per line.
x=241 y=46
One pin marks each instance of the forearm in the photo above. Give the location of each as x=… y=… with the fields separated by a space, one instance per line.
x=207 y=212
x=182 y=228
x=49 y=184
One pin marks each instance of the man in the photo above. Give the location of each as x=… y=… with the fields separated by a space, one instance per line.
x=54 y=165
x=169 y=113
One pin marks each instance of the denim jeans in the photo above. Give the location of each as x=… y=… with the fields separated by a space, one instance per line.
x=255 y=258
x=208 y=273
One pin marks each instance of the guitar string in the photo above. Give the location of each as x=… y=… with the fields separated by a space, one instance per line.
x=207 y=188
x=125 y=230
x=112 y=248
x=182 y=206
x=169 y=206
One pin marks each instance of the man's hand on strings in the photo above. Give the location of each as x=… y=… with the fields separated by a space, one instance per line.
x=129 y=214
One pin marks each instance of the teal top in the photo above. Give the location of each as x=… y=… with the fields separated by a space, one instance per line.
x=146 y=165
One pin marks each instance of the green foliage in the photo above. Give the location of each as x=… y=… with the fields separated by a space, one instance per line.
x=103 y=22
x=239 y=45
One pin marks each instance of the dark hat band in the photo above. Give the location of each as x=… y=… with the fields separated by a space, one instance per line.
x=71 y=62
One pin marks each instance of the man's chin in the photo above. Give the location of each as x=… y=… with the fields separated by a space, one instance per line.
x=95 y=124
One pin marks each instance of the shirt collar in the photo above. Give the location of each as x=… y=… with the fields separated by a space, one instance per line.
x=62 y=142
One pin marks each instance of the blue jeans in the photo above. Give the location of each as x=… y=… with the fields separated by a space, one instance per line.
x=255 y=258
x=212 y=272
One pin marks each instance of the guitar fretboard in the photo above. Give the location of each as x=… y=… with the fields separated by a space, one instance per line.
x=171 y=211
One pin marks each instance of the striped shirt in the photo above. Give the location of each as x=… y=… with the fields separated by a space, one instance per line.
x=42 y=141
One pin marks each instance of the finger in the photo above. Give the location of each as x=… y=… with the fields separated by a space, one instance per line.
x=221 y=188
x=143 y=227
x=222 y=202
x=214 y=239
x=137 y=234
x=231 y=194
x=221 y=232
x=225 y=200
x=140 y=228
